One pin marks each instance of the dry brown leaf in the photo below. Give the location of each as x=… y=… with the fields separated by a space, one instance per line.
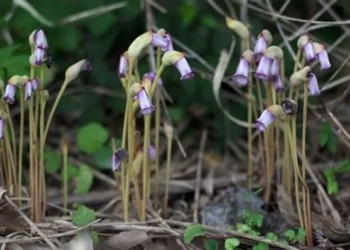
x=126 y=240
x=9 y=218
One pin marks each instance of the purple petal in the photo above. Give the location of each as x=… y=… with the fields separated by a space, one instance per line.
x=323 y=59
x=263 y=70
x=40 y=39
x=278 y=84
x=35 y=83
x=28 y=90
x=151 y=76
x=184 y=68
x=119 y=156
x=242 y=73
x=146 y=106
x=159 y=41
x=39 y=55
x=260 y=47
x=313 y=86
x=2 y=126
x=309 y=52
x=274 y=70
x=265 y=119
x=152 y=152
x=167 y=37
x=123 y=66
x=9 y=95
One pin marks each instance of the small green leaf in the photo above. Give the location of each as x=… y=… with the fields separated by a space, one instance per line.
x=52 y=161
x=290 y=234
x=231 y=244
x=324 y=134
x=72 y=171
x=82 y=215
x=243 y=228
x=94 y=236
x=103 y=157
x=261 y=246
x=211 y=244
x=272 y=236
x=84 y=180
x=91 y=137
x=6 y=52
x=332 y=184
x=344 y=167
x=301 y=234
x=193 y=231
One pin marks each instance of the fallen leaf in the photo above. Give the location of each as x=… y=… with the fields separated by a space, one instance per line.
x=126 y=240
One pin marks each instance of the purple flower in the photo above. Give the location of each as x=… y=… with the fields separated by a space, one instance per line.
x=322 y=55
x=35 y=83
x=264 y=39
x=28 y=89
x=9 y=95
x=151 y=75
x=39 y=57
x=184 y=68
x=2 y=126
x=278 y=84
x=265 y=119
x=264 y=67
x=274 y=70
x=159 y=41
x=146 y=106
x=242 y=73
x=313 y=85
x=309 y=52
x=40 y=39
x=119 y=156
x=123 y=66
x=152 y=152
x=167 y=37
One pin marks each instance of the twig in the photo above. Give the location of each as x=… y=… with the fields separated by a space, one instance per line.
x=199 y=174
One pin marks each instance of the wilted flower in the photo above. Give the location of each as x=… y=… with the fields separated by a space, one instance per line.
x=241 y=76
x=119 y=156
x=313 y=85
x=289 y=106
x=305 y=44
x=322 y=55
x=264 y=40
x=123 y=65
x=265 y=119
x=10 y=92
x=146 y=106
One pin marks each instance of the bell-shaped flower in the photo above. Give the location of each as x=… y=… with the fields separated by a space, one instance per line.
x=313 y=85
x=38 y=57
x=9 y=95
x=264 y=40
x=35 y=83
x=145 y=104
x=265 y=119
x=28 y=90
x=278 y=84
x=274 y=70
x=322 y=55
x=241 y=77
x=264 y=67
x=38 y=39
x=119 y=156
x=123 y=65
x=184 y=68
x=305 y=44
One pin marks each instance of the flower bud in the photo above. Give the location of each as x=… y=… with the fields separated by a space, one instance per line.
x=73 y=71
x=135 y=88
x=289 y=106
x=274 y=52
x=238 y=27
x=300 y=77
x=141 y=42
x=44 y=95
x=17 y=81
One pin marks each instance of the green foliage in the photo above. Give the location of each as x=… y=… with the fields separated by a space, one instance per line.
x=211 y=244
x=84 y=180
x=253 y=219
x=91 y=137
x=11 y=63
x=82 y=215
x=272 y=236
x=192 y=232
x=293 y=236
x=52 y=161
x=231 y=244
x=330 y=175
x=261 y=246
x=327 y=138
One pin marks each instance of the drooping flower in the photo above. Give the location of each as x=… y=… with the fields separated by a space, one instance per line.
x=265 y=119
x=178 y=59
x=305 y=44
x=289 y=106
x=313 y=85
x=274 y=70
x=145 y=104
x=322 y=55
x=278 y=84
x=28 y=89
x=9 y=95
x=123 y=65
x=38 y=39
x=167 y=37
x=241 y=76
x=264 y=40
x=35 y=83
x=119 y=156
x=39 y=56
x=264 y=67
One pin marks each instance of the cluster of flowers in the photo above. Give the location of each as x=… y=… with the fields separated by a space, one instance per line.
x=38 y=42
x=142 y=92
x=269 y=62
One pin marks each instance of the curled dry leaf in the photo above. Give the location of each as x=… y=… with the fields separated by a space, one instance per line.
x=126 y=240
